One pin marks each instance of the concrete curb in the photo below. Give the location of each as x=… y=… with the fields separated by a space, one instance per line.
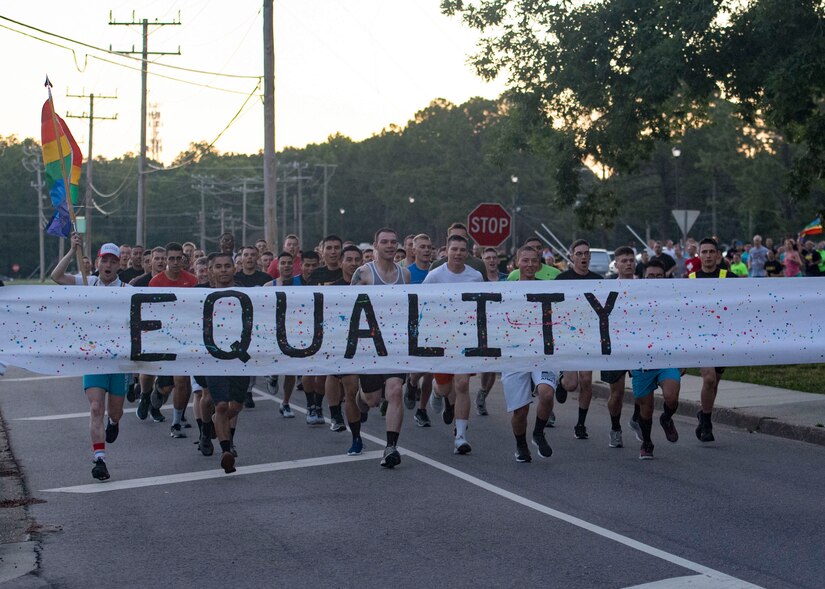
x=19 y=553
x=732 y=416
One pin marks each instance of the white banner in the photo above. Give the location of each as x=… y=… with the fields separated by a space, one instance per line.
x=490 y=327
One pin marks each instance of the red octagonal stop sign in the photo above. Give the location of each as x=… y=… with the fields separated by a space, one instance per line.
x=489 y=224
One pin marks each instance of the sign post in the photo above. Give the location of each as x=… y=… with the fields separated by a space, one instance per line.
x=685 y=220
x=489 y=224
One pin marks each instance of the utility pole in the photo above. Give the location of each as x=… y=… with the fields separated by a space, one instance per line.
x=33 y=162
x=140 y=229
x=270 y=172
x=87 y=206
x=329 y=172
x=245 y=189
x=204 y=183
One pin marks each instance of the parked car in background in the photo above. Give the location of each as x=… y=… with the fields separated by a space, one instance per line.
x=600 y=261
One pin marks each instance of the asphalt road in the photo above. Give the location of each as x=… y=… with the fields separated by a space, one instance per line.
x=745 y=510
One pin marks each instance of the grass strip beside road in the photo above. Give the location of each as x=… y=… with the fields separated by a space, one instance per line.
x=808 y=378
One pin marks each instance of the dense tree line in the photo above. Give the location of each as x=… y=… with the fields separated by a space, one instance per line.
x=434 y=171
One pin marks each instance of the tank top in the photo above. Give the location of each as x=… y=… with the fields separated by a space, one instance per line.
x=376 y=278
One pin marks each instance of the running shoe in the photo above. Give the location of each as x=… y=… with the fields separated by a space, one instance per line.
x=234 y=450
x=704 y=431
x=311 y=415
x=272 y=385
x=356 y=448
x=615 y=439
x=228 y=462
x=449 y=412
x=383 y=408
x=637 y=429
x=461 y=446
x=112 y=430
x=646 y=452
x=337 y=424
x=409 y=396
x=205 y=445
x=142 y=410
x=319 y=415
x=99 y=470
x=133 y=392
x=156 y=398
x=286 y=411
x=157 y=416
x=561 y=392
x=670 y=428
x=185 y=422
x=436 y=403
x=249 y=402
x=391 y=457
x=523 y=454
x=176 y=431
x=481 y=402
x=580 y=432
x=421 y=418
x=540 y=442
x=551 y=421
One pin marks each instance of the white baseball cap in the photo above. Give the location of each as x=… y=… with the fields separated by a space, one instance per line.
x=109 y=249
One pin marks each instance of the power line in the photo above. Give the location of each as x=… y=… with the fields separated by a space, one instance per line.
x=109 y=51
x=123 y=65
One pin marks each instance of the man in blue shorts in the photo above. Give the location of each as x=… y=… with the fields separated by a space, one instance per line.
x=105 y=392
x=646 y=381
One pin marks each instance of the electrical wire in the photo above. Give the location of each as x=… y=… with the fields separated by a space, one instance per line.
x=123 y=65
x=195 y=157
x=109 y=51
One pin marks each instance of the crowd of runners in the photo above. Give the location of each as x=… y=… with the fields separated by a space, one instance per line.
x=217 y=401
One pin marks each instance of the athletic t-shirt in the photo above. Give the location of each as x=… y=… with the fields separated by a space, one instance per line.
x=573 y=275
x=183 y=281
x=545 y=273
x=739 y=269
x=257 y=278
x=666 y=260
x=129 y=274
x=811 y=259
x=443 y=275
x=417 y=275
x=95 y=281
x=324 y=276
x=693 y=264
x=472 y=262
x=773 y=268
x=715 y=274
x=143 y=280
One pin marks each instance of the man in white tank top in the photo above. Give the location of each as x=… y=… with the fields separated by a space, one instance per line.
x=382 y=271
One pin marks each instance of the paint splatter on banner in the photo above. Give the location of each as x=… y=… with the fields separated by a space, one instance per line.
x=586 y=325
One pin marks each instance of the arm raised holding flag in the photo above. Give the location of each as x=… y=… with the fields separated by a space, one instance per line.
x=61 y=155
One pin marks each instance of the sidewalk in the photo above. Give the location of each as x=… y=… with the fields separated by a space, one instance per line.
x=766 y=410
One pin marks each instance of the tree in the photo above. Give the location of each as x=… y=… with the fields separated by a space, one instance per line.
x=616 y=76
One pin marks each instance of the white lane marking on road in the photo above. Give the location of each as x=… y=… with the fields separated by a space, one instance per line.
x=28 y=378
x=86 y=413
x=215 y=473
x=694 y=582
x=707 y=577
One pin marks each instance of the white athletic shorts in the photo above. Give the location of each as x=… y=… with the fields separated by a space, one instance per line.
x=518 y=386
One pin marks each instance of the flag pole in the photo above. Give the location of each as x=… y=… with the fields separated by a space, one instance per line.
x=66 y=184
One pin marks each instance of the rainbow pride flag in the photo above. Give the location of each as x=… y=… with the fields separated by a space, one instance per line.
x=61 y=223
x=813 y=228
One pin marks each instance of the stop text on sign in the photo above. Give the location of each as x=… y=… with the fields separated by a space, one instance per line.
x=489 y=224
